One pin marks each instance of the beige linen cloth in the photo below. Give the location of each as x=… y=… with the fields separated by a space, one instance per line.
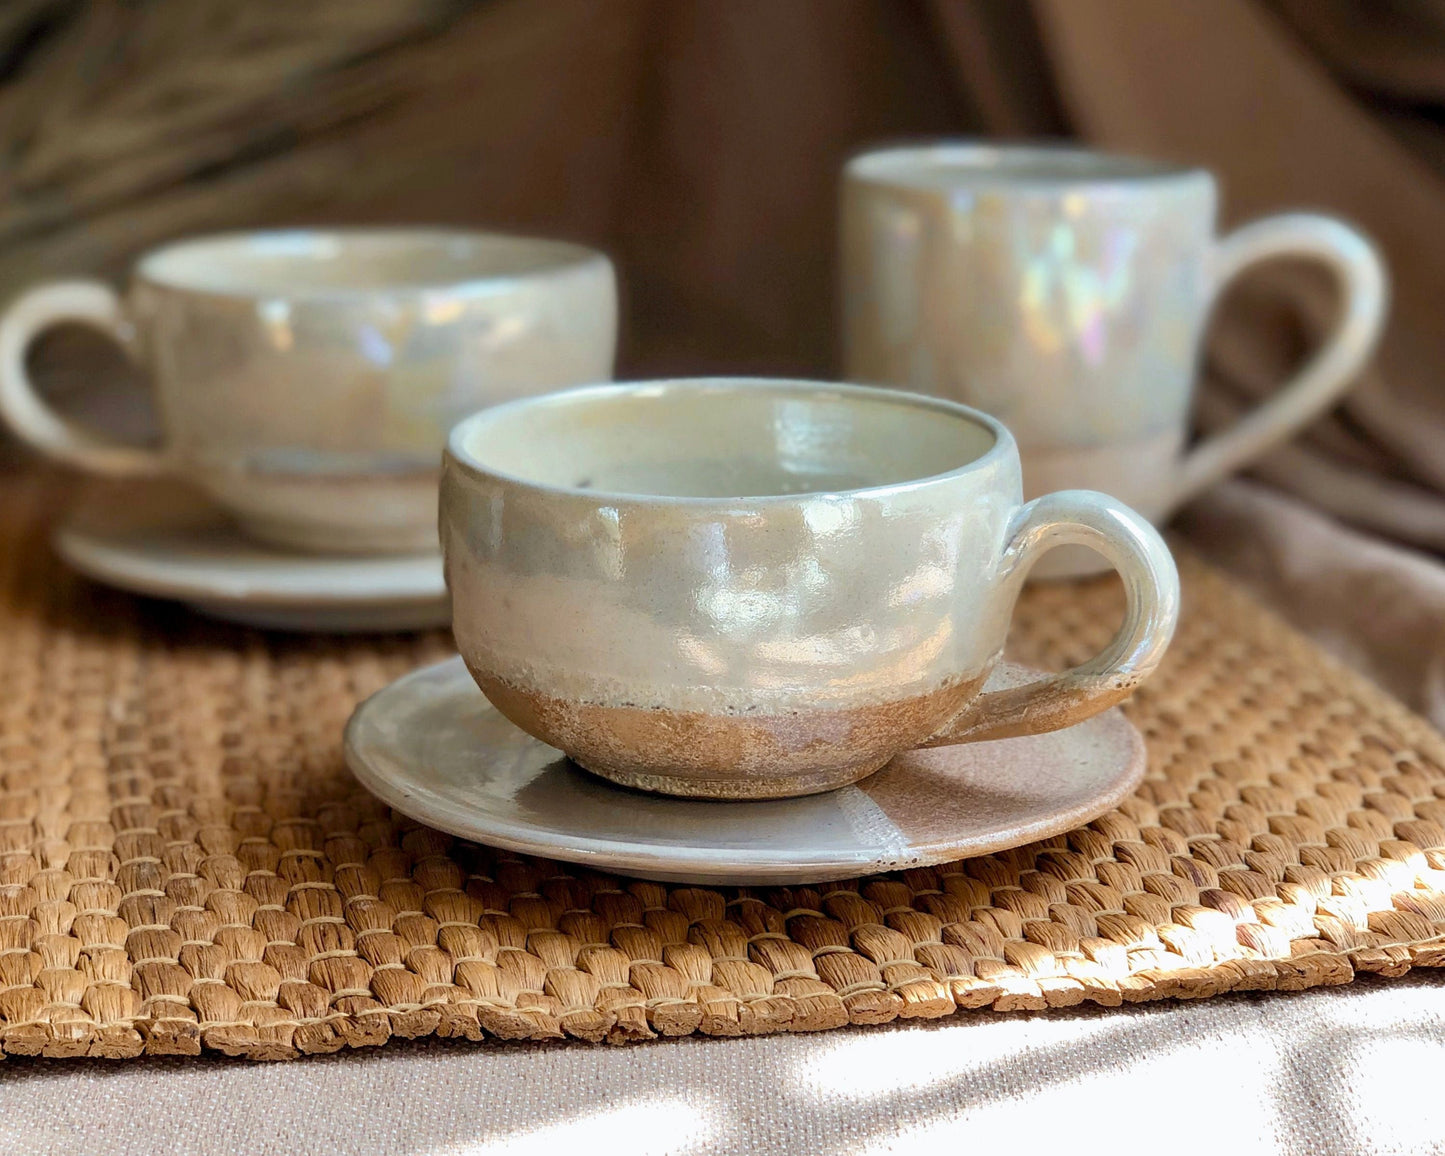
x=1276 y=99
x=1328 y=1072
x=699 y=142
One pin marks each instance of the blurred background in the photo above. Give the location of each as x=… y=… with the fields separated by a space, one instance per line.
x=699 y=143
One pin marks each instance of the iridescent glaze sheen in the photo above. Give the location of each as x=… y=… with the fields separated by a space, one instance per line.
x=754 y=589
x=306 y=380
x=1066 y=293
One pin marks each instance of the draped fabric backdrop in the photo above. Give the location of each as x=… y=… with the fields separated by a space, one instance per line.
x=699 y=142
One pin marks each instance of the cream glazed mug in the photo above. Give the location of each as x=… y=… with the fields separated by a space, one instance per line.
x=1066 y=292
x=306 y=379
x=752 y=589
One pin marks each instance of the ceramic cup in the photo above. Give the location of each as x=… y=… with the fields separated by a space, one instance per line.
x=756 y=589
x=1066 y=293
x=306 y=380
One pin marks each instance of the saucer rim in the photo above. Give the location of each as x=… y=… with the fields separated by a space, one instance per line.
x=742 y=867
x=138 y=572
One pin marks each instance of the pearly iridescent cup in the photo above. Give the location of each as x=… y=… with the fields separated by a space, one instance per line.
x=1066 y=293
x=306 y=379
x=752 y=589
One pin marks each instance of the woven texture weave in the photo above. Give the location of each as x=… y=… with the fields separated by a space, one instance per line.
x=186 y=864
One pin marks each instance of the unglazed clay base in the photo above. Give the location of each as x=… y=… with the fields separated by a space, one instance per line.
x=434 y=748
x=163 y=540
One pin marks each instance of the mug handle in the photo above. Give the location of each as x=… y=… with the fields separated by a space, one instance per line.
x=92 y=303
x=1361 y=275
x=1151 y=585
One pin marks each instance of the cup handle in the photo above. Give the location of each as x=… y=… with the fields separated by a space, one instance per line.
x=1357 y=266
x=1151 y=585
x=92 y=303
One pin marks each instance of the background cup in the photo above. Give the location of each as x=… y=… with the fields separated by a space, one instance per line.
x=1066 y=293
x=306 y=380
x=755 y=589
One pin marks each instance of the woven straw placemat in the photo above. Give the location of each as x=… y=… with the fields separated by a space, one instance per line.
x=186 y=864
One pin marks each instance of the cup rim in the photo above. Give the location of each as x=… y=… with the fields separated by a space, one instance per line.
x=916 y=164
x=566 y=256
x=457 y=454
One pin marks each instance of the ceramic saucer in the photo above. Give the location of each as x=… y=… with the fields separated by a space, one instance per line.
x=431 y=746
x=163 y=540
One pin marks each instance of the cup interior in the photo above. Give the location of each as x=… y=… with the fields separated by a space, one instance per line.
x=332 y=261
x=721 y=439
x=955 y=163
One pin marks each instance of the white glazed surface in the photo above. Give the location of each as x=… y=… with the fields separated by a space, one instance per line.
x=306 y=380
x=1066 y=293
x=840 y=598
x=165 y=541
x=432 y=747
x=789 y=582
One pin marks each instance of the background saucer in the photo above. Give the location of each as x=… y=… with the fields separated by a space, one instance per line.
x=164 y=540
x=434 y=748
